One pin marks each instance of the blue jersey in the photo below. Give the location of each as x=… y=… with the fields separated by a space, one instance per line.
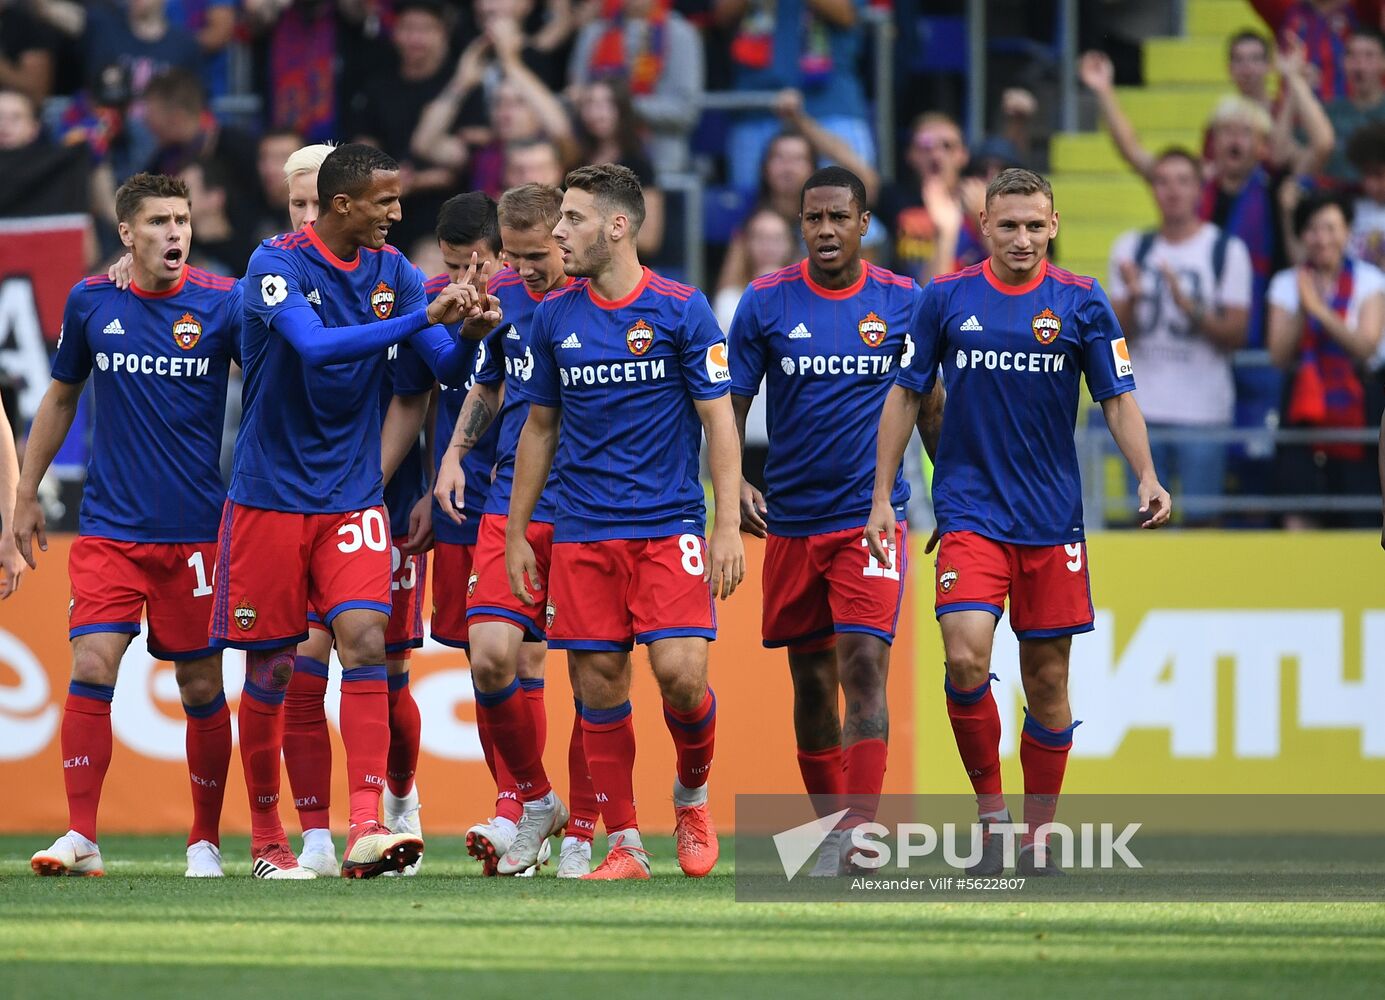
x=309 y=437
x=511 y=362
x=158 y=364
x=830 y=358
x=1013 y=358
x=626 y=375
x=413 y=376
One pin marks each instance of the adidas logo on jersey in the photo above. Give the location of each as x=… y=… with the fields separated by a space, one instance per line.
x=799 y=332
x=114 y=328
x=571 y=341
x=512 y=333
x=315 y=298
x=972 y=325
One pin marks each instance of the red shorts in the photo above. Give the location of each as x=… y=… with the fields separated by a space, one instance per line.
x=404 y=632
x=272 y=566
x=115 y=584
x=612 y=594
x=488 y=590
x=1048 y=586
x=820 y=585
x=451 y=577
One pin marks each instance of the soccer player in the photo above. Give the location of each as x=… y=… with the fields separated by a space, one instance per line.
x=632 y=365
x=467 y=231
x=829 y=333
x=507 y=635
x=160 y=353
x=1014 y=337
x=307 y=741
x=304 y=524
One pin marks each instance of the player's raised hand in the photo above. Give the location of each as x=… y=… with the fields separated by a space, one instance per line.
x=420 y=527
x=520 y=565
x=1155 y=505
x=880 y=533
x=753 y=510
x=29 y=523
x=725 y=562
x=450 y=487
x=122 y=272
x=449 y=307
x=12 y=565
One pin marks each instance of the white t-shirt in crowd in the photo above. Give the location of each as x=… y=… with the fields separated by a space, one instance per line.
x=1367 y=280
x=756 y=428
x=1368 y=232
x=1181 y=377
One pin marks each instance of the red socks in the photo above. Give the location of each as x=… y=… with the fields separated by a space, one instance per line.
x=1044 y=757
x=533 y=695
x=209 y=758
x=581 y=796
x=976 y=727
x=365 y=729
x=404 y=736
x=824 y=777
x=261 y=722
x=608 y=736
x=507 y=804
x=694 y=735
x=511 y=723
x=865 y=776
x=86 y=750
x=307 y=743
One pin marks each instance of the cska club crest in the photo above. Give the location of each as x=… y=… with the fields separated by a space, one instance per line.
x=550 y=613
x=947 y=579
x=1047 y=326
x=382 y=301
x=873 y=330
x=471 y=585
x=187 y=332
x=245 y=616
x=639 y=337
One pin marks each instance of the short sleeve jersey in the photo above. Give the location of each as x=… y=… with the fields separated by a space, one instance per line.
x=626 y=375
x=413 y=376
x=510 y=360
x=309 y=439
x=158 y=364
x=830 y=358
x=1012 y=358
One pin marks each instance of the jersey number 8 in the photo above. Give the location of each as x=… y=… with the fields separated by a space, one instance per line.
x=370 y=533
x=691 y=547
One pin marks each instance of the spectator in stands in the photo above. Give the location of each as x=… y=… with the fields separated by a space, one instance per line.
x=1248 y=64
x=386 y=108
x=533 y=161
x=1365 y=71
x=40 y=177
x=300 y=51
x=1323 y=27
x=27 y=51
x=608 y=132
x=1366 y=152
x=213 y=24
x=812 y=46
x=1325 y=324
x=219 y=247
x=1018 y=109
x=933 y=214
x=770 y=243
x=659 y=56
x=273 y=152
x=519 y=108
x=139 y=39
x=1182 y=295
x=545 y=31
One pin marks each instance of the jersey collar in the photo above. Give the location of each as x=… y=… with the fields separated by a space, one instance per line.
x=166 y=293
x=635 y=293
x=1023 y=289
x=328 y=255
x=834 y=293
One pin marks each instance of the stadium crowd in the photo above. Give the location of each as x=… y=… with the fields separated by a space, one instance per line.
x=491 y=94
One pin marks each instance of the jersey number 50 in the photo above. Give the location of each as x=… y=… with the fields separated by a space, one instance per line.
x=370 y=533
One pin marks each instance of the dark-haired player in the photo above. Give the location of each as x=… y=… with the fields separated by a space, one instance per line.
x=1014 y=336
x=305 y=525
x=159 y=353
x=829 y=333
x=634 y=367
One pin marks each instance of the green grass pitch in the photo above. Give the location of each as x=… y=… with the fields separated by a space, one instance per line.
x=145 y=932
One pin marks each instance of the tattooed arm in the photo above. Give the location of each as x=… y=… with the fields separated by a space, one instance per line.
x=479 y=408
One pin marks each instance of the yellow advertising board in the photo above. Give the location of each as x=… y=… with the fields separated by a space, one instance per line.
x=1221 y=663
